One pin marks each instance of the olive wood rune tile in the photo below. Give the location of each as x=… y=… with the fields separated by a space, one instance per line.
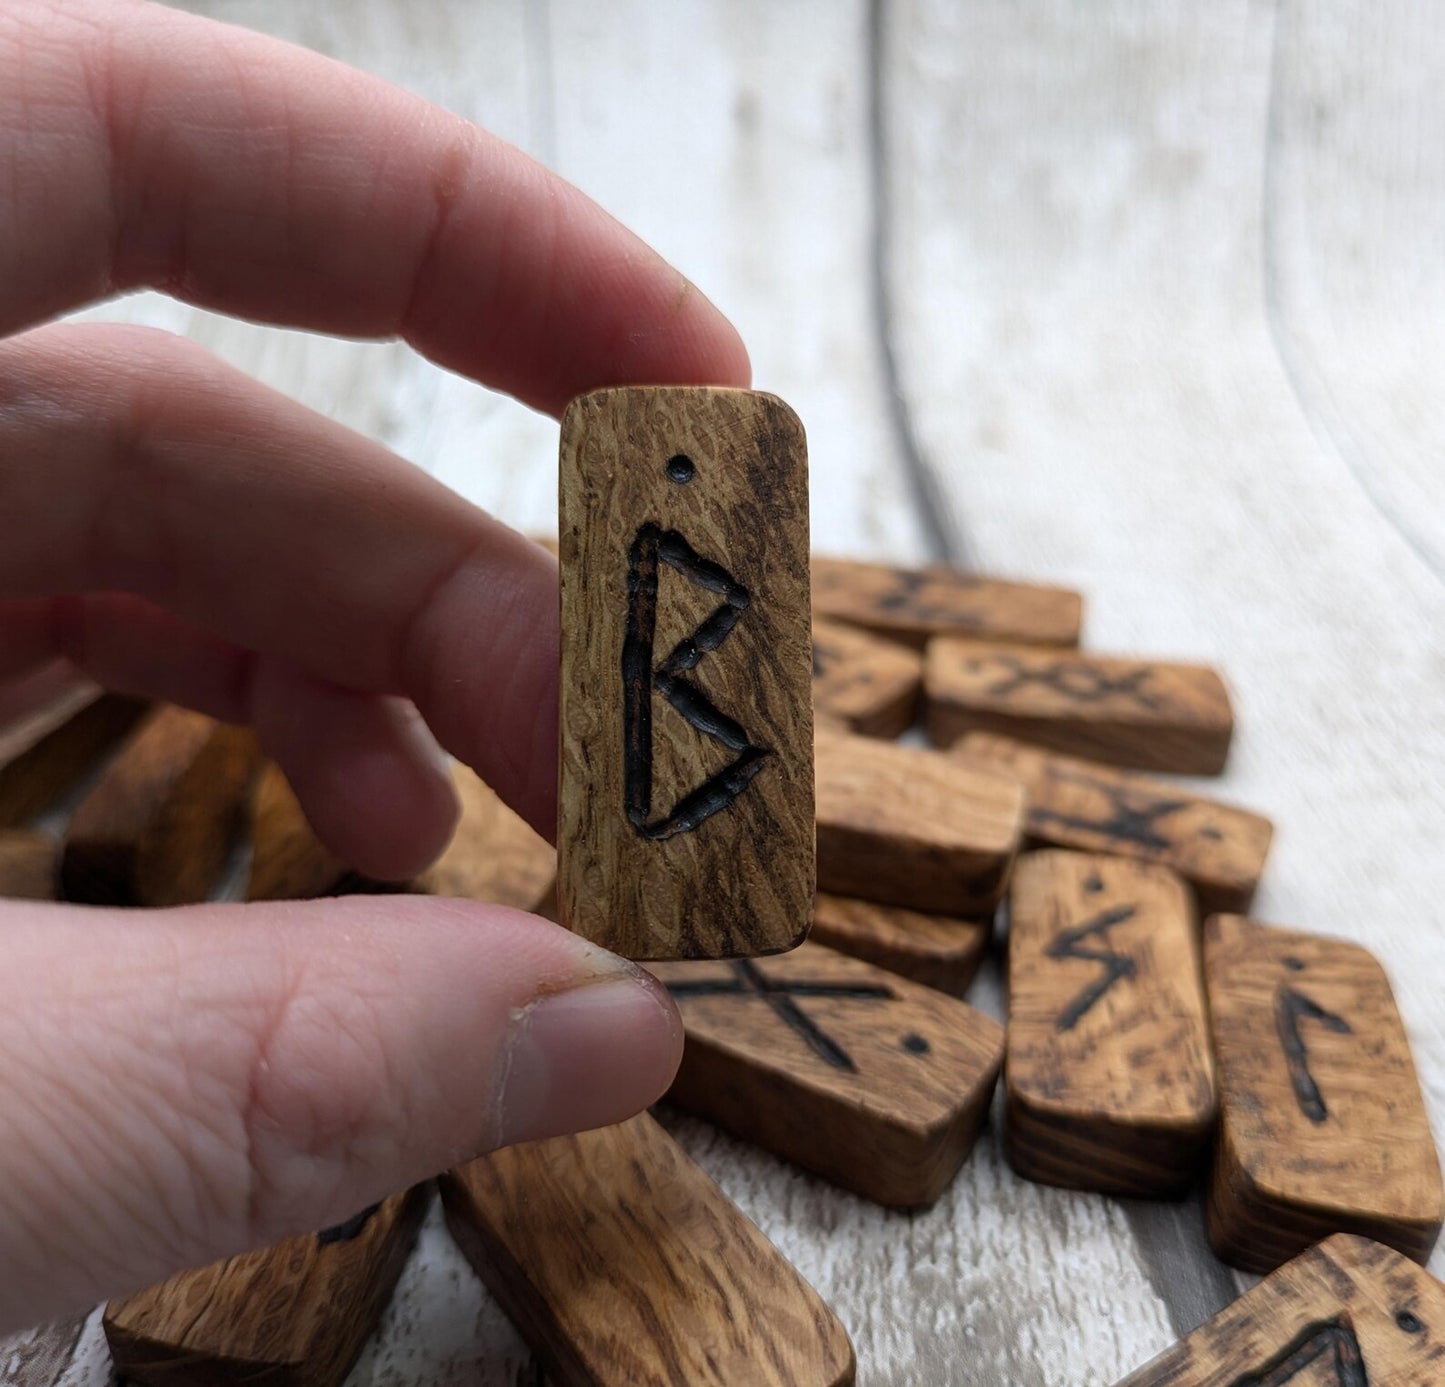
x=874 y=1082
x=29 y=865
x=686 y=787
x=905 y=826
x=623 y=1265
x=1148 y=714
x=936 y=950
x=1072 y=803
x=869 y=685
x=293 y=1315
x=912 y=604
x=156 y=828
x=1323 y=1126
x=1110 y=1078
x=1348 y=1313
x=48 y=755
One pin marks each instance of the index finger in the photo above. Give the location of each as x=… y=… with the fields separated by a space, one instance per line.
x=142 y=146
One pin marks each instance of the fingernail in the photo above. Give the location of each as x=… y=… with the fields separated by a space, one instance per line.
x=588 y=1057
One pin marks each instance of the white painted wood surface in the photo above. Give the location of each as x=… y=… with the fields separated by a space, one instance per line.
x=1162 y=293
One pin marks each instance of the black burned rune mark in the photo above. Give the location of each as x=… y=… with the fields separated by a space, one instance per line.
x=1290 y=1008
x=1079 y=683
x=652 y=545
x=1069 y=944
x=750 y=981
x=1333 y=1344
x=1133 y=818
x=907 y=598
x=345 y=1232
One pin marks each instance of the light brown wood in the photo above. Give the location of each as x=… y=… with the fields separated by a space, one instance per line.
x=29 y=865
x=49 y=757
x=935 y=950
x=1072 y=803
x=912 y=604
x=1110 y=1081
x=1148 y=714
x=293 y=1315
x=1323 y=1127
x=156 y=827
x=876 y=1083
x=870 y=685
x=288 y=861
x=686 y=798
x=623 y=1265
x=905 y=826
x=1347 y=1313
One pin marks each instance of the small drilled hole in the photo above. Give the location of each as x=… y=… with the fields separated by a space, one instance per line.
x=1410 y=1322
x=681 y=469
x=915 y=1044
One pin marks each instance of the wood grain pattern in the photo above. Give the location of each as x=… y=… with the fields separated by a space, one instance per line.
x=905 y=826
x=623 y=1264
x=293 y=1315
x=288 y=861
x=872 y=686
x=52 y=756
x=29 y=865
x=1110 y=1081
x=912 y=604
x=1072 y=803
x=1148 y=714
x=156 y=828
x=1323 y=1126
x=935 y=950
x=1347 y=1313
x=686 y=794
x=876 y=1083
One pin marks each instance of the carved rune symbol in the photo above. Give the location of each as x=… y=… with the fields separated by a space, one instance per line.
x=1333 y=1344
x=1079 y=683
x=1069 y=944
x=652 y=545
x=1131 y=819
x=345 y=1232
x=749 y=981
x=1290 y=1008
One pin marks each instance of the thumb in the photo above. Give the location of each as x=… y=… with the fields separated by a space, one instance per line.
x=182 y=1085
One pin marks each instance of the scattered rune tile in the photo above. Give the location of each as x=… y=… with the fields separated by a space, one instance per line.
x=293 y=1315
x=623 y=1265
x=156 y=827
x=870 y=685
x=935 y=950
x=686 y=787
x=1072 y=803
x=912 y=604
x=874 y=1082
x=29 y=865
x=288 y=861
x=905 y=826
x=1110 y=1079
x=1147 y=714
x=51 y=752
x=1323 y=1126
x=1348 y=1313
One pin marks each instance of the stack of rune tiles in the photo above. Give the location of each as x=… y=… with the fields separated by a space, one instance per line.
x=1138 y=1042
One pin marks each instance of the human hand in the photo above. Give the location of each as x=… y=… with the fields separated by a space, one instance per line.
x=178 y=1086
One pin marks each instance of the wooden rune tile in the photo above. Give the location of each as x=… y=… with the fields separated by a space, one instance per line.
x=686 y=790
x=1110 y=1079
x=912 y=604
x=29 y=865
x=872 y=686
x=49 y=756
x=1348 y=1313
x=1147 y=714
x=905 y=826
x=288 y=861
x=623 y=1265
x=1219 y=849
x=156 y=828
x=874 y=1082
x=1323 y=1127
x=293 y=1315
x=935 y=950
